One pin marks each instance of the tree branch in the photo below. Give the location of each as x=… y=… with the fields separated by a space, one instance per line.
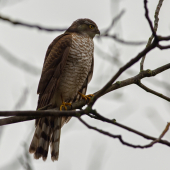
x=160 y=137
x=152 y=91
x=154 y=30
x=120 y=137
x=121 y=70
x=81 y=103
x=163 y=47
x=121 y=40
x=114 y=20
x=30 y=25
x=19 y=63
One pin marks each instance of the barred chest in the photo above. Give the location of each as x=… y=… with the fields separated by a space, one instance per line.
x=77 y=66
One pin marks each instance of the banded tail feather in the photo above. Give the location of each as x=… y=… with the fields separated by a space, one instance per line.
x=47 y=133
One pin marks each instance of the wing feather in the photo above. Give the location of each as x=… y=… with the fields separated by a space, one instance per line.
x=55 y=60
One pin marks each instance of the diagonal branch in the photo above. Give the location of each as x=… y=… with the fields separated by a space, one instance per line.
x=117 y=18
x=81 y=103
x=120 y=137
x=160 y=137
x=152 y=91
x=121 y=70
x=19 y=63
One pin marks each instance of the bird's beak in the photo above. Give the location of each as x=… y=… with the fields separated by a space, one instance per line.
x=97 y=32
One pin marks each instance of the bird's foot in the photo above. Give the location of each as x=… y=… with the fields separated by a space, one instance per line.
x=64 y=104
x=86 y=97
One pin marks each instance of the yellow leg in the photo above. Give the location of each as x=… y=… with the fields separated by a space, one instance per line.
x=86 y=97
x=64 y=104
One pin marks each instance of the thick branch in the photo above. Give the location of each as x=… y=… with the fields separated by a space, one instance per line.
x=30 y=115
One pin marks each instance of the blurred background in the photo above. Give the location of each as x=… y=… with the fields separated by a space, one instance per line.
x=22 y=52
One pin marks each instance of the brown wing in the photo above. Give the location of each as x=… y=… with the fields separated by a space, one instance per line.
x=55 y=59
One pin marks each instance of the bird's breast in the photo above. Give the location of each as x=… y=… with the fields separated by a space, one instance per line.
x=77 y=66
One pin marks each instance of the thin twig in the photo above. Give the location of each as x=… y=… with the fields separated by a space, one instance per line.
x=98 y=116
x=18 y=62
x=152 y=91
x=121 y=40
x=137 y=78
x=121 y=70
x=148 y=19
x=114 y=20
x=30 y=25
x=161 y=47
x=160 y=137
x=117 y=136
x=152 y=28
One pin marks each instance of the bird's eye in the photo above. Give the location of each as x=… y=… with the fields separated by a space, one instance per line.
x=91 y=26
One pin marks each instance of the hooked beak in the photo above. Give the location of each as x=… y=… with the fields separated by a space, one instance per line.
x=98 y=32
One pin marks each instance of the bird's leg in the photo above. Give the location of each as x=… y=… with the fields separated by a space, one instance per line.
x=86 y=97
x=64 y=104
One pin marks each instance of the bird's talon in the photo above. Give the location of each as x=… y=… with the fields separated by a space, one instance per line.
x=86 y=97
x=64 y=105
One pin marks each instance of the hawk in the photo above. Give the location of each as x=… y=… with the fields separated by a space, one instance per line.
x=67 y=70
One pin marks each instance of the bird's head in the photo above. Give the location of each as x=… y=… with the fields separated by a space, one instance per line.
x=84 y=26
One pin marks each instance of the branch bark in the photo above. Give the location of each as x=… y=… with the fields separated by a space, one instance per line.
x=153 y=29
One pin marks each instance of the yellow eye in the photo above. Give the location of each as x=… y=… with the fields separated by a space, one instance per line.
x=91 y=26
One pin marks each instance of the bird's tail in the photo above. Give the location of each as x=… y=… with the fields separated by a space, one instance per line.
x=55 y=139
x=47 y=131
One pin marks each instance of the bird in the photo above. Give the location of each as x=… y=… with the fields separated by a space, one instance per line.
x=67 y=70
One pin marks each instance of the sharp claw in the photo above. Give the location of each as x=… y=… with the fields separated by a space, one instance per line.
x=64 y=105
x=86 y=97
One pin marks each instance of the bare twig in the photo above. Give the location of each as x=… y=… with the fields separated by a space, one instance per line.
x=119 y=136
x=22 y=99
x=97 y=116
x=30 y=25
x=117 y=18
x=121 y=70
x=148 y=19
x=152 y=91
x=105 y=33
x=163 y=47
x=137 y=78
x=154 y=29
x=121 y=40
x=160 y=137
x=19 y=63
